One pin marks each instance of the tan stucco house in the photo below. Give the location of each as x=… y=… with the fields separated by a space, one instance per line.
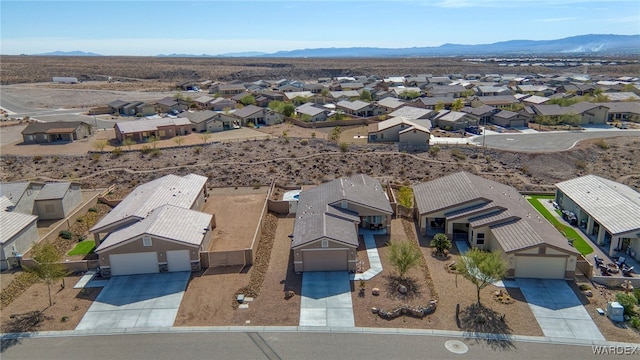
x=157 y=228
x=493 y=216
x=325 y=234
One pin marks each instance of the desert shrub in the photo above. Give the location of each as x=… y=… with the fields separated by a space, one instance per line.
x=37 y=158
x=636 y=292
x=581 y=164
x=95 y=156
x=344 y=147
x=434 y=150
x=251 y=125
x=456 y=153
x=313 y=135
x=602 y=144
x=584 y=287
x=155 y=152
x=304 y=142
x=93 y=210
x=146 y=149
x=635 y=322
x=628 y=301
x=66 y=234
x=197 y=150
x=116 y=152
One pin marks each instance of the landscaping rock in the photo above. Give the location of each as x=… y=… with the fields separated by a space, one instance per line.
x=402 y=289
x=375 y=291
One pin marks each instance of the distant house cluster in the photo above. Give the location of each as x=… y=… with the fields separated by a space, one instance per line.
x=451 y=102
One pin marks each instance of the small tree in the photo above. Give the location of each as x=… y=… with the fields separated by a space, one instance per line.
x=49 y=268
x=248 y=100
x=403 y=256
x=100 y=144
x=205 y=137
x=365 y=95
x=439 y=106
x=457 y=105
x=405 y=196
x=482 y=268
x=442 y=243
x=288 y=109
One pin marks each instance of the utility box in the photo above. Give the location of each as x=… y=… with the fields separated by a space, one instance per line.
x=615 y=311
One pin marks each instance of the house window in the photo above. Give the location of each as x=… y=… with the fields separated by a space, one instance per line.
x=49 y=208
x=325 y=243
x=146 y=241
x=480 y=239
x=343 y=204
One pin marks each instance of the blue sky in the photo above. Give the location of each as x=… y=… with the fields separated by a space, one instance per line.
x=217 y=27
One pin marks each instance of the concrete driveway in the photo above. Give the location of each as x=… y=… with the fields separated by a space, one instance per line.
x=558 y=310
x=137 y=301
x=326 y=299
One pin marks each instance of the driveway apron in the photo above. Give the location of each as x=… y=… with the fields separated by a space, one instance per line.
x=326 y=299
x=137 y=301
x=558 y=310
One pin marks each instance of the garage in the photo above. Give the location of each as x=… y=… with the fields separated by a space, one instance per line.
x=134 y=263
x=540 y=267
x=178 y=260
x=325 y=260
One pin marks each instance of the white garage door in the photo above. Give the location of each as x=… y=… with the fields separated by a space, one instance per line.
x=135 y=263
x=540 y=267
x=178 y=260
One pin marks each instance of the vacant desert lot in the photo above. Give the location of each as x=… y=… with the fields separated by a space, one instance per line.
x=237 y=213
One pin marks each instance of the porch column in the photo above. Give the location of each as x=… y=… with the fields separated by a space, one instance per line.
x=589 y=224
x=614 y=245
x=449 y=227
x=96 y=238
x=601 y=232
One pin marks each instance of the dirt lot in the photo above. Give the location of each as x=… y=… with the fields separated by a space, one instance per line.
x=237 y=212
x=68 y=309
x=160 y=73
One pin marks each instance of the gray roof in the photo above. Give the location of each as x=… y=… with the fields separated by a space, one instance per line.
x=512 y=220
x=117 y=104
x=168 y=101
x=309 y=109
x=13 y=191
x=56 y=126
x=22 y=195
x=497 y=99
x=632 y=107
x=197 y=117
x=320 y=214
x=168 y=222
x=390 y=102
x=353 y=105
x=52 y=191
x=478 y=111
x=247 y=111
x=432 y=101
x=505 y=114
x=12 y=223
x=127 y=127
x=410 y=112
x=181 y=191
x=613 y=205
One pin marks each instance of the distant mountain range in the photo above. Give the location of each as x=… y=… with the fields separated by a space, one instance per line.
x=68 y=53
x=593 y=44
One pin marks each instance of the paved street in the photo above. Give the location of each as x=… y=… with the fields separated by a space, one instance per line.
x=291 y=345
x=551 y=141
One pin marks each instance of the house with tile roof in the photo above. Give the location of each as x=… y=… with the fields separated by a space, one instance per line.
x=325 y=233
x=55 y=132
x=489 y=215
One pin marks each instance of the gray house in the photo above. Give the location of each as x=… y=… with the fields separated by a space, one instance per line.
x=19 y=233
x=57 y=200
x=56 y=132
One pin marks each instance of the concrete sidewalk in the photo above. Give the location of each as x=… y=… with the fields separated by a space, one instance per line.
x=326 y=299
x=375 y=265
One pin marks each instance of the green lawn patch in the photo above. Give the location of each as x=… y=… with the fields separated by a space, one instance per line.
x=569 y=232
x=83 y=248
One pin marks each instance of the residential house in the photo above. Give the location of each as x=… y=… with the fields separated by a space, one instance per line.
x=412 y=113
x=22 y=195
x=433 y=102
x=506 y=102
x=158 y=227
x=344 y=95
x=492 y=216
x=439 y=80
x=588 y=113
x=577 y=89
x=390 y=104
x=607 y=211
x=483 y=113
x=198 y=119
x=534 y=100
x=227 y=90
x=400 y=130
x=446 y=91
x=454 y=120
x=116 y=106
x=311 y=113
x=204 y=102
x=325 y=233
x=510 y=119
x=314 y=88
x=623 y=111
x=257 y=116
x=492 y=90
x=222 y=104
x=358 y=108
x=171 y=104
x=291 y=96
x=19 y=233
x=404 y=91
x=55 y=132
x=143 y=130
x=622 y=96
